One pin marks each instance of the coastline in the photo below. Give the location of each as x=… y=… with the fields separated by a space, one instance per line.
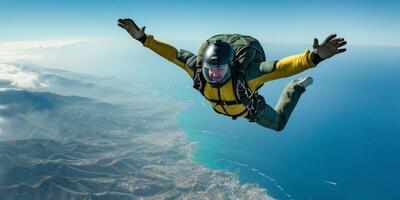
x=202 y=145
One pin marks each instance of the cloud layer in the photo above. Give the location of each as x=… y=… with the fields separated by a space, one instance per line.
x=16 y=77
x=25 y=50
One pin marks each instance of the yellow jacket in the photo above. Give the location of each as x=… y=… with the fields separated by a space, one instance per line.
x=256 y=74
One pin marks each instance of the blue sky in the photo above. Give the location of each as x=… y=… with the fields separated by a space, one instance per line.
x=360 y=22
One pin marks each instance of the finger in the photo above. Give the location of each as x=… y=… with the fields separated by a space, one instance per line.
x=340 y=44
x=341 y=50
x=315 y=45
x=123 y=21
x=122 y=26
x=329 y=38
x=336 y=40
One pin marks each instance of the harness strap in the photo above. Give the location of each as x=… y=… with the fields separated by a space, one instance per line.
x=242 y=93
x=199 y=82
x=241 y=88
x=227 y=103
x=233 y=116
x=254 y=106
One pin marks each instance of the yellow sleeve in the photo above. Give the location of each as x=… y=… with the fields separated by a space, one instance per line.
x=183 y=58
x=287 y=66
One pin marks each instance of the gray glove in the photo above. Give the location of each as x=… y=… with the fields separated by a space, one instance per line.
x=329 y=47
x=130 y=26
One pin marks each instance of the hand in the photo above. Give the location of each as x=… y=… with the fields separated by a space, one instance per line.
x=329 y=47
x=130 y=26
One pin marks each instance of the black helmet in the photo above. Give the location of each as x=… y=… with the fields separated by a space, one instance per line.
x=217 y=63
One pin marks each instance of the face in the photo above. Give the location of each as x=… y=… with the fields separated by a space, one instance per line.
x=217 y=74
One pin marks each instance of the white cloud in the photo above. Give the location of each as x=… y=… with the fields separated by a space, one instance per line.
x=3 y=107
x=14 y=56
x=19 y=78
x=22 y=50
x=26 y=45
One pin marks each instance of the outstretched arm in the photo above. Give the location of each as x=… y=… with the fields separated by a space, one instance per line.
x=183 y=58
x=291 y=65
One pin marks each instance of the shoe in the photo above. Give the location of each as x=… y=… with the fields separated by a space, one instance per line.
x=303 y=82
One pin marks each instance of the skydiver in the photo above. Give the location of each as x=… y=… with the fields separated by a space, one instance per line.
x=230 y=68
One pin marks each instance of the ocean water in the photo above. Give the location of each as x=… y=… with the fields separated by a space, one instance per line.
x=341 y=142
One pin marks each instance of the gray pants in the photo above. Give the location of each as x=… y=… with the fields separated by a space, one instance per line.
x=276 y=118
